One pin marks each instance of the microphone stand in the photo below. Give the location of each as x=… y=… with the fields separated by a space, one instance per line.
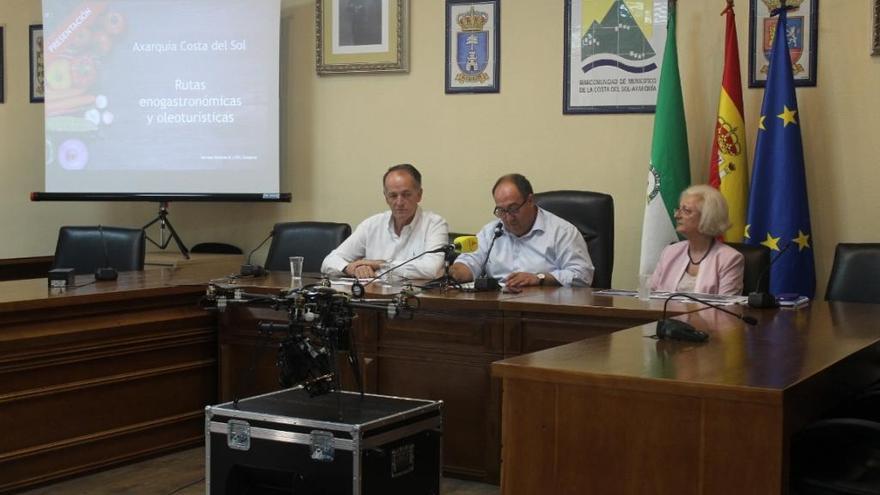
x=675 y=329
x=248 y=269
x=484 y=282
x=761 y=300
x=446 y=280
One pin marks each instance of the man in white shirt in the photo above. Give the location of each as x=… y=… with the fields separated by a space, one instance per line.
x=536 y=247
x=394 y=236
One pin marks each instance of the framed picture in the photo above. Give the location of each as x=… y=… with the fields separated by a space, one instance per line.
x=2 y=72
x=875 y=40
x=361 y=36
x=802 y=37
x=38 y=79
x=613 y=53
x=473 y=46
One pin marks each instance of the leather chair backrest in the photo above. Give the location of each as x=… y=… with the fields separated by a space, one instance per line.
x=593 y=215
x=855 y=275
x=756 y=273
x=311 y=240
x=86 y=249
x=215 y=248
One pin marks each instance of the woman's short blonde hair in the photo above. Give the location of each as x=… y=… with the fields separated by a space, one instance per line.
x=714 y=219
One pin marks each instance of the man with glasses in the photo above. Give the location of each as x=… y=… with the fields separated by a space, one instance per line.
x=402 y=232
x=535 y=247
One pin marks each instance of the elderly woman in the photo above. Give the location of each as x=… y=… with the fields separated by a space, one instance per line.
x=700 y=263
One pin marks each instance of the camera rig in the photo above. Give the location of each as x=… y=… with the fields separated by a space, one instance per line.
x=319 y=322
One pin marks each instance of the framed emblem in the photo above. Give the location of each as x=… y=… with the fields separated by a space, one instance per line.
x=613 y=53
x=473 y=46
x=801 y=35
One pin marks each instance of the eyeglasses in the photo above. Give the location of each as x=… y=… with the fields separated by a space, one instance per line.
x=684 y=210
x=510 y=210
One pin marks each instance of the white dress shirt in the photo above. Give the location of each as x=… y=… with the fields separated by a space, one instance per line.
x=375 y=239
x=552 y=246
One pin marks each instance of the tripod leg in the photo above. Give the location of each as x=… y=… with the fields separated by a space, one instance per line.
x=180 y=245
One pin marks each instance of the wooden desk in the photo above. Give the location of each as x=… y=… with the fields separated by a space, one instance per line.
x=111 y=372
x=104 y=373
x=626 y=414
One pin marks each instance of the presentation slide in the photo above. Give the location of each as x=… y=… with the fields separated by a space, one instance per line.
x=153 y=96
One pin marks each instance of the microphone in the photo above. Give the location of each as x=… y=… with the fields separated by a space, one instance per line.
x=484 y=282
x=255 y=270
x=106 y=272
x=765 y=299
x=679 y=330
x=447 y=249
x=466 y=243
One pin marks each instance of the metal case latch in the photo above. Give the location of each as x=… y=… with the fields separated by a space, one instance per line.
x=322 y=446
x=403 y=460
x=238 y=435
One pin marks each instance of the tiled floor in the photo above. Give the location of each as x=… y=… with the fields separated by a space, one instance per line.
x=182 y=473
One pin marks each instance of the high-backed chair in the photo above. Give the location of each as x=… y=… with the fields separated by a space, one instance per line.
x=86 y=249
x=855 y=273
x=593 y=215
x=311 y=240
x=756 y=269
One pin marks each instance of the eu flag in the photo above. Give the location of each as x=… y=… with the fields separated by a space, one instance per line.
x=779 y=215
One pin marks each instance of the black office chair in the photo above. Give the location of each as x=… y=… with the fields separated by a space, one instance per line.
x=215 y=248
x=756 y=269
x=838 y=456
x=311 y=240
x=855 y=273
x=593 y=215
x=86 y=249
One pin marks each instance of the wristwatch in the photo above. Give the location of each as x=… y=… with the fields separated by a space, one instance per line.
x=541 y=278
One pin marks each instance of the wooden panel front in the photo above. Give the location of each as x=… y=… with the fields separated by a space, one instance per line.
x=538 y=331
x=571 y=439
x=97 y=384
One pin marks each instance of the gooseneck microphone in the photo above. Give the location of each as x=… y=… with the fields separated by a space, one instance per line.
x=484 y=282
x=679 y=330
x=255 y=270
x=447 y=249
x=762 y=300
x=105 y=272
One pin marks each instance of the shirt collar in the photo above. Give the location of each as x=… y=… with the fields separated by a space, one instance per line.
x=408 y=226
x=539 y=226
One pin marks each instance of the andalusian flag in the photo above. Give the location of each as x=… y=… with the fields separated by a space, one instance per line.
x=779 y=213
x=669 y=172
x=728 y=168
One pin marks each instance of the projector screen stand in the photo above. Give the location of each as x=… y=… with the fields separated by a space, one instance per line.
x=164 y=223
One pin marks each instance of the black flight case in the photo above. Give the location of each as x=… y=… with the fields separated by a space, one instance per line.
x=340 y=443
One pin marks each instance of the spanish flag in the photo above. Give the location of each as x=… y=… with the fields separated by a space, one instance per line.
x=728 y=167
